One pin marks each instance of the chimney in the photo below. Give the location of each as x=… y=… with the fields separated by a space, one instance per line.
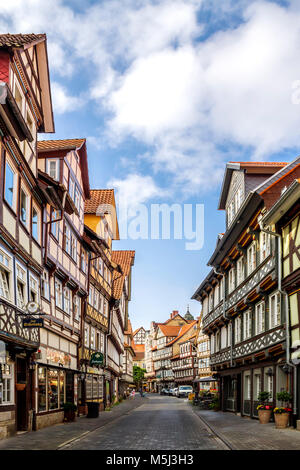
x=174 y=313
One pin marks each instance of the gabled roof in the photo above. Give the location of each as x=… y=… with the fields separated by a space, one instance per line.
x=139 y=347
x=101 y=202
x=48 y=147
x=278 y=176
x=170 y=319
x=20 y=40
x=16 y=42
x=169 y=330
x=248 y=167
x=184 y=329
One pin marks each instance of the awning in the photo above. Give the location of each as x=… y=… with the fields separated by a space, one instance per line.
x=205 y=379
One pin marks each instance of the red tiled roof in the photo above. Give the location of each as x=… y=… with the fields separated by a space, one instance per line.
x=139 y=347
x=261 y=163
x=170 y=330
x=125 y=258
x=183 y=330
x=99 y=197
x=20 y=40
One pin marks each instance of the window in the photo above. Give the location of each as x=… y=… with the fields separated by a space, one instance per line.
x=5 y=276
x=7 y=384
x=77 y=198
x=21 y=286
x=240 y=270
x=221 y=290
x=238 y=199
x=33 y=289
x=237 y=328
x=52 y=389
x=229 y=334
x=9 y=191
x=23 y=207
x=83 y=262
x=91 y=295
x=93 y=342
x=247 y=387
x=71 y=188
x=45 y=285
x=274 y=310
x=67 y=239
x=211 y=300
x=55 y=225
x=76 y=307
x=35 y=224
x=251 y=258
x=73 y=247
x=259 y=318
x=216 y=300
x=53 y=169
x=58 y=293
x=67 y=293
x=86 y=335
x=247 y=324
x=96 y=299
x=42 y=389
x=231 y=280
x=265 y=247
x=256 y=384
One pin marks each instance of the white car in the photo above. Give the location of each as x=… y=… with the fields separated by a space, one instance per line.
x=174 y=392
x=184 y=391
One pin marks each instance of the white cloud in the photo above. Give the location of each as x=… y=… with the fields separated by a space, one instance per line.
x=62 y=102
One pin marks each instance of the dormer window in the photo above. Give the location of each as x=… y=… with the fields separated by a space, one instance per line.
x=53 y=169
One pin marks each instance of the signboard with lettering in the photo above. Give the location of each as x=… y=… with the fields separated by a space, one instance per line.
x=32 y=322
x=96 y=359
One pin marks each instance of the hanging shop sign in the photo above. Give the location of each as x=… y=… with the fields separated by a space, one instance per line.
x=31 y=322
x=96 y=359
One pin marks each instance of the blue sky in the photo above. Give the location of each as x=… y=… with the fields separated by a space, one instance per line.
x=167 y=92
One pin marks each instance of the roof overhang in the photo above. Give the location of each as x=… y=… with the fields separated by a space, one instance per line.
x=290 y=196
x=54 y=194
x=43 y=69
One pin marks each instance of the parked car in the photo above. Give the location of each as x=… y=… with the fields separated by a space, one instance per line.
x=184 y=391
x=175 y=391
x=170 y=392
x=164 y=391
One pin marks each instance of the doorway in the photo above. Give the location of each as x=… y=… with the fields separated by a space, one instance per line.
x=21 y=395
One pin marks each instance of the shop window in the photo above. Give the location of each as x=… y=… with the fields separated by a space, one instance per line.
x=61 y=388
x=42 y=390
x=7 y=384
x=52 y=389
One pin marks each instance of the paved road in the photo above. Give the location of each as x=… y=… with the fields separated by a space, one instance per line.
x=161 y=423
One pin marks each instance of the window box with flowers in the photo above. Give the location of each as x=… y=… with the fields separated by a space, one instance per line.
x=282 y=413
x=264 y=409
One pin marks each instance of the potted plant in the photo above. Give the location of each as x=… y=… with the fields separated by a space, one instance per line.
x=215 y=404
x=20 y=385
x=282 y=413
x=69 y=411
x=264 y=410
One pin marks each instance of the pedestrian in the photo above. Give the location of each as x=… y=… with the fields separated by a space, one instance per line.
x=132 y=393
x=141 y=392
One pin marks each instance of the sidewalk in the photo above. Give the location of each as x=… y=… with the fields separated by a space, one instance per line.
x=242 y=433
x=52 y=437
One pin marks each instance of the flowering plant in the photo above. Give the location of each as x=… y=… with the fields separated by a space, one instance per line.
x=264 y=407
x=281 y=409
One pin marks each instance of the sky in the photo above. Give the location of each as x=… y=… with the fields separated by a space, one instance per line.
x=166 y=92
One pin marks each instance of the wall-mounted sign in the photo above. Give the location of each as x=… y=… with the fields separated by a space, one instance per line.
x=96 y=359
x=31 y=322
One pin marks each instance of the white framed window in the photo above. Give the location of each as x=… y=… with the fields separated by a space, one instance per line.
x=76 y=307
x=274 y=310
x=229 y=326
x=7 y=385
x=247 y=324
x=93 y=338
x=10 y=185
x=221 y=289
x=33 y=289
x=251 y=258
x=238 y=199
x=67 y=299
x=211 y=300
x=231 y=280
x=55 y=225
x=96 y=299
x=77 y=198
x=86 y=335
x=58 y=293
x=73 y=246
x=259 y=318
x=24 y=207
x=45 y=285
x=247 y=386
x=5 y=275
x=52 y=166
x=240 y=270
x=265 y=245
x=36 y=223
x=237 y=329
x=21 y=286
x=67 y=239
x=71 y=188
x=83 y=261
x=205 y=306
x=91 y=295
x=216 y=299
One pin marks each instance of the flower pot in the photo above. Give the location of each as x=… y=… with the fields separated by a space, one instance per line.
x=264 y=416
x=20 y=387
x=281 y=420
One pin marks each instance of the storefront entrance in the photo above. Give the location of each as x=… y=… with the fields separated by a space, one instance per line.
x=21 y=394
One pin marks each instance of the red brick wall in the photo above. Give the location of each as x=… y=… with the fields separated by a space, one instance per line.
x=4 y=66
x=272 y=194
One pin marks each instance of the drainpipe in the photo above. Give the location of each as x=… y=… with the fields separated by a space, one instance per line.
x=287 y=319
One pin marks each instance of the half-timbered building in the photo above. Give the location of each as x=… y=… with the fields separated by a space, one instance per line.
x=242 y=301
x=25 y=110
x=63 y=177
